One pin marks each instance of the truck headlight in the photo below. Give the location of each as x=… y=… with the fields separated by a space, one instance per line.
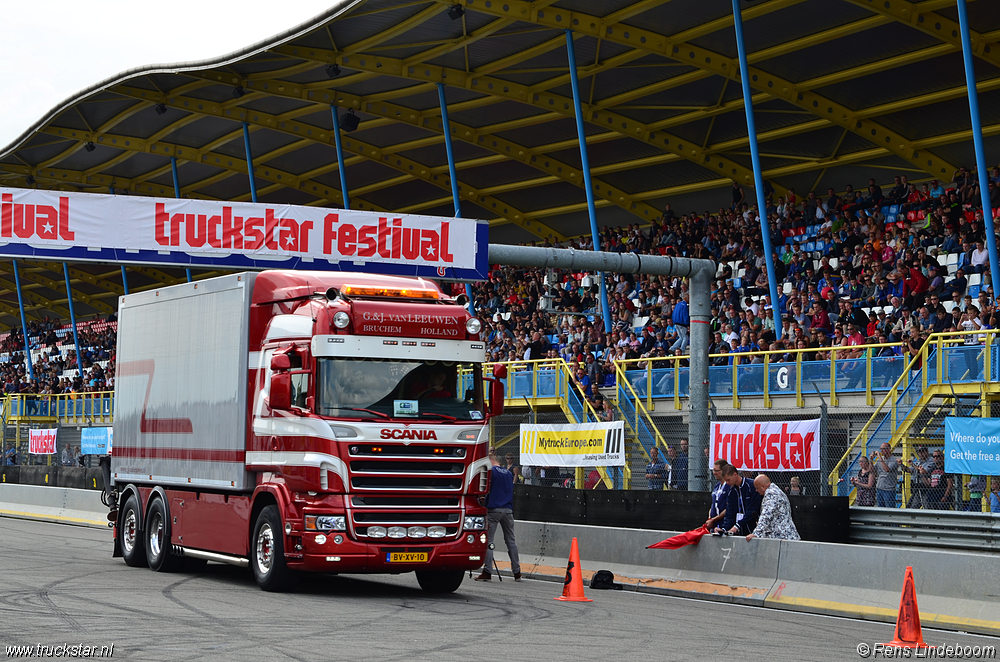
x=437 y=532
x=473 y=325
x=341 y=320
x=475 y=523
x=376 y=532
x=397 y=531
x=417 y=532
x=326 y=523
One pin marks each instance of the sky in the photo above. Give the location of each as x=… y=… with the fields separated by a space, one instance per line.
x=55 y=48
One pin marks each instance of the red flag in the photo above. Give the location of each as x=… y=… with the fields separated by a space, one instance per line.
x=682 y=539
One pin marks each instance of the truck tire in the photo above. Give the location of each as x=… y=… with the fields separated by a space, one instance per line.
x=157 y=539
x=267 y=552
x=440 y=581
x=130 y=534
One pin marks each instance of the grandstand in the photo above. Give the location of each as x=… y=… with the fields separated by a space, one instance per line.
x=847 y=93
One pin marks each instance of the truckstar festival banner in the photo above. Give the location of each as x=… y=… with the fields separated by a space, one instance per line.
x=42 y=442
x=768 y=446
x=135 y=229
x=584 y=445
x=972 y=446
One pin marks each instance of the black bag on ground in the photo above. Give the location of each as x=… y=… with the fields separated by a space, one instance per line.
x=604 y=579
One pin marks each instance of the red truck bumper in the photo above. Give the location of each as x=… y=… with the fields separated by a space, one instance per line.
x=353 y=556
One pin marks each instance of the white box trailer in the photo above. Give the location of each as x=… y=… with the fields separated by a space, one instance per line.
x=180 y=412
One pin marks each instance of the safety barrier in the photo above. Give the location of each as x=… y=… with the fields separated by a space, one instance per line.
x=69 y=408
x=799 y=372
x=64 y=505
x=955 y=590
x=926 y=528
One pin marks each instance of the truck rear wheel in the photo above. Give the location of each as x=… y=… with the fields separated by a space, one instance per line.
x=267 y=552
x=157 y=538
x=440 y=581
x=130 y=534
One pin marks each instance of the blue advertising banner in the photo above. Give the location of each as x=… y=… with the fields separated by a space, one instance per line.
x=95 y=441
x=972 y=446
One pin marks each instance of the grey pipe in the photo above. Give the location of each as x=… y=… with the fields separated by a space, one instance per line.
x=700 y=272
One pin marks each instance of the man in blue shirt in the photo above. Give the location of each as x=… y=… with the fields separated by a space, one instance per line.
x=500 y=510
x=743 y=507
x=656 y=470
x=681 y=317
x=720 y=496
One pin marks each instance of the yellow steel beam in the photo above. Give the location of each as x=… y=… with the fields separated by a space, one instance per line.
x=81 y=276
x=431 y=121
x=36 y=298
x=215 y=159
x=545 y=100
x=676 y=48
x=923 y=17
x=36 y=277
x=319 y=134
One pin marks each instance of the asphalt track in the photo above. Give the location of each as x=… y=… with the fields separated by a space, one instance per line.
x=59 y=584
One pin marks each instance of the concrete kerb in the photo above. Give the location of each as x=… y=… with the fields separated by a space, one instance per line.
x=64 y=505
x=955 y=590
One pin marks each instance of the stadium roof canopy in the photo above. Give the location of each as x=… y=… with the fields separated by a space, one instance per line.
x=843 y=90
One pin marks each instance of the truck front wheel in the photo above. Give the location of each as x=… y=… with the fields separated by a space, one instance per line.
x=130 y=534
x=267 y=552
x=440 y=581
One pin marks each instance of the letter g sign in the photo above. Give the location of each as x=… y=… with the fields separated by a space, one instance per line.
x=782 y=378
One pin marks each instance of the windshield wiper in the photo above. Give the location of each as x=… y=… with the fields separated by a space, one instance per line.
x=434 y=413
x=370 y=411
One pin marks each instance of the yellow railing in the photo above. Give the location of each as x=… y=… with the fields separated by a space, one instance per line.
x=767 y=360
x=890 y=403
x=640 y=410
x=561 y=375
x=71 y=408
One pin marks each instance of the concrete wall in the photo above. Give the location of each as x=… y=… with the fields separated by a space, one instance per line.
x=53 y=504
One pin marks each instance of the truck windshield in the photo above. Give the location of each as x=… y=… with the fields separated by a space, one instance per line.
x=440 y=390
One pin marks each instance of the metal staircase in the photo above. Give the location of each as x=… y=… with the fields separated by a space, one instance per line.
x=948 y=378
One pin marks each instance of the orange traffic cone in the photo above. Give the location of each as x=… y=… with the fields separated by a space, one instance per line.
x=908 y=633
x=573 y=586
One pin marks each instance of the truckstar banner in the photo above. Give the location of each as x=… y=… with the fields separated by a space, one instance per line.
x=136 y=229
x=768 y=446
x=584 y=445
x=42 y=442
x=972 y=446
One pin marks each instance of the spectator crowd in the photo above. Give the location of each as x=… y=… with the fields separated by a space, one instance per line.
x=852 y=268
x=55 y=361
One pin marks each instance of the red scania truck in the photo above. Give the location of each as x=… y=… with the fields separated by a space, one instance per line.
x=301 y=421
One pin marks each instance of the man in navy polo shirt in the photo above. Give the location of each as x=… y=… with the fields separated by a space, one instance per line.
x=500 y=510
x=743 y=507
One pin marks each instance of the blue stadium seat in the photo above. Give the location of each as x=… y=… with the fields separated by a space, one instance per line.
x=885 y=211
x=974 y=290
x=894 y=209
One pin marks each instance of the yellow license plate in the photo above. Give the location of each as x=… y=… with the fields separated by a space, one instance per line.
x=406 y=557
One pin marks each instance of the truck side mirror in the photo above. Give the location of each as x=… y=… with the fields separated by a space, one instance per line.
x=280 y=393
x=281 y=362
x=496 y=397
